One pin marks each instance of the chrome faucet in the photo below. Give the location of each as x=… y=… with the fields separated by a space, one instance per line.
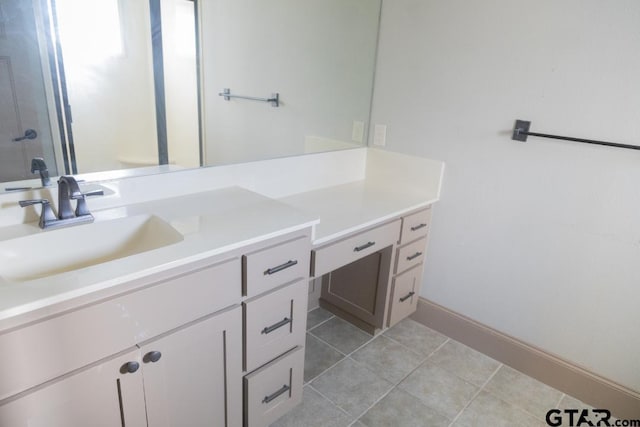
x=68 y=190
x=38 y=165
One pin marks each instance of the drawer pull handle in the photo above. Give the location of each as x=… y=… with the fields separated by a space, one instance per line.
x=407 y=296
x=418 y=227
x=285 y=388
x=129 y=367
x=363 y=247
x=280 y=267
x=414 y=256
x=152 y=356
x=278 y=325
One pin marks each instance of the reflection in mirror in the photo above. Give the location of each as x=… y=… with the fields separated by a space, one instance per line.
x=23 y=95
x=114 y=84
x=318 y=55
x=120 y=82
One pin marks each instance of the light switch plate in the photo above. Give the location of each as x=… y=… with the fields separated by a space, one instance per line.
x=380 y=135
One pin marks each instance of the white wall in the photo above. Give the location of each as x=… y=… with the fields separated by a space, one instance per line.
x=540 y=240
x=318 y=55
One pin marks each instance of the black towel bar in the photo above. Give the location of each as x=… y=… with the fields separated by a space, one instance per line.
x=521 y=131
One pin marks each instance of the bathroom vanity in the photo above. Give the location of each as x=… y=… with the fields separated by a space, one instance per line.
x=185 y=302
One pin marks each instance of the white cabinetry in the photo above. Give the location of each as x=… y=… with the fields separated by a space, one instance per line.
x=192 y=376
x=170 y=350
x=276 y=277
x=181 y=334
x=100 y=396
x=408 y=265
x=372 y=278
x=131 y=389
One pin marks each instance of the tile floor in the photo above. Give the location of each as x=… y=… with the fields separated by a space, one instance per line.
x=410 y=376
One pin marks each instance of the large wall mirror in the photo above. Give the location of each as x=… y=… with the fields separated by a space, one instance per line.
x=139 y=85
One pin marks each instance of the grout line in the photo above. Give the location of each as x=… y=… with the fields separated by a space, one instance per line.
x=439 y=347
x=348 y=355
x=480 y=389
x=326 y=343
x=345 y=355
x=351 y=352
x=376 y=402
x=516 y=406
x=522 y=409
x=325 y=397
x=422 y=363
x=395 y=385
x=317 y=376
x=363 y=345
x=447 y=339
x=321 y=323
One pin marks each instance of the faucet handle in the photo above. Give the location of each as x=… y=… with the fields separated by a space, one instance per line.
x=81 y=204
x=98 y=192
x=47 y=215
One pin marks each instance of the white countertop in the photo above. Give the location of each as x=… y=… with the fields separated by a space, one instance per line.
x=212 y=223
x=228 y=207
x=348 y=208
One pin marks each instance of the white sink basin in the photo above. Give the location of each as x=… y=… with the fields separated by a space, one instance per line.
x=58 y=251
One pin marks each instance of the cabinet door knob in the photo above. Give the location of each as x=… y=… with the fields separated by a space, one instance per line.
x=129 y=367
x=152 y=356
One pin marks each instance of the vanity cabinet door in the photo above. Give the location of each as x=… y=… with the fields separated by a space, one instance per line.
x=358 y=291
x=193 y=376
x=105 y=394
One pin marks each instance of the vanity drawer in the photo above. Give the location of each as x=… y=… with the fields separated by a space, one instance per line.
x=50 y=348
x=274 y=323
x=274 y=389
x=404 y=295
x=411 y=255
x=276 y=265
x=415 y=225
x=343 y=252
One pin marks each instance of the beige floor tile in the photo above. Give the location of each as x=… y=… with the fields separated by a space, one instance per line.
x=400 y=409
x=387 y=358
x=465 y=362
x=317 y=316
x=439 y=389
x=314 y=411
x=340 y=334
x=351 y=386
x=568 y=402
x=523 y=391
x=417 y=337
x=487 y=410
x=318 y=357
